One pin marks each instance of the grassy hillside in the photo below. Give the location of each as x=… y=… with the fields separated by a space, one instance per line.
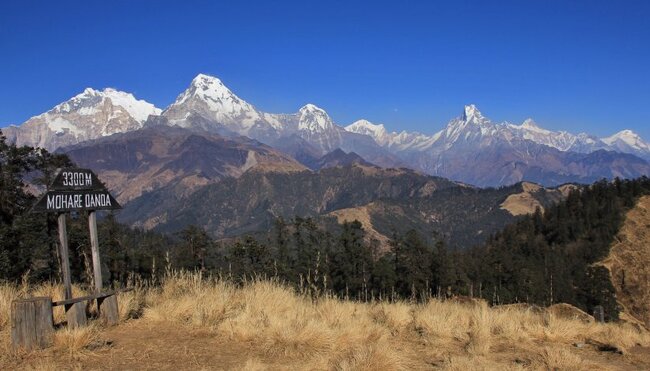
x=190 y=321
x=629 y=262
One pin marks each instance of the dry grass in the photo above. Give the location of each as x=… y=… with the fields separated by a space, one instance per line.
x=77 y=342
x=8 y=293
x=285 y=330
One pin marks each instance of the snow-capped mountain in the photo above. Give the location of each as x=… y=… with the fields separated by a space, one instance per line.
x=209 y=105
x=473 y=149
x=317 y=128
x=207 y=101
x=628 y=141
x=531 y=131
x=392 y=140
x=471 y=127
x=89 y=115
x=377 y=132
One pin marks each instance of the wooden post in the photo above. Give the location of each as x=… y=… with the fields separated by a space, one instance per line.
x=94 y=244
x=65 y=261
x=32 y=324
x=108 y=310
x=76 y=314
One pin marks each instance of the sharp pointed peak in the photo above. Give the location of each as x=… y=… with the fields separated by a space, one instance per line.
x=203 y=86
x=469 y=110
x=472 y=113
x=203 y=82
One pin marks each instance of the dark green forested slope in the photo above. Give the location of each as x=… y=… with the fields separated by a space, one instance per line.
x=550 y=258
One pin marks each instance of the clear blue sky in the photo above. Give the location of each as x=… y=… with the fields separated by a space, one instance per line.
x=572 y=65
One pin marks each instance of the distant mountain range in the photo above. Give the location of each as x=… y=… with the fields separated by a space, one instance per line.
x=469 y=149
x=460 y=129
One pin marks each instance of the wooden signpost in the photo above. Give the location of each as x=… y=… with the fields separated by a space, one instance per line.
x=77 y=190
x=71 y=190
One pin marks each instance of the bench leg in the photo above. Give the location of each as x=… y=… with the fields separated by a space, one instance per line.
x=108 y=310
x=76 y=314
x=31 y=323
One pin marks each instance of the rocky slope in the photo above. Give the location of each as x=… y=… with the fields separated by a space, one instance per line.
x=179 y=159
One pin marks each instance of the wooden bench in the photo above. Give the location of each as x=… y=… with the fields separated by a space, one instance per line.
x=75 y=308
x=32 y=323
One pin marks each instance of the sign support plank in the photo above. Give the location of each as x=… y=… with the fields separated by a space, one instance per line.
x=94 y=244
x=65 y=261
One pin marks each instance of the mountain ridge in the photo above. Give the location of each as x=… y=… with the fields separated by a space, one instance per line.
x=625 y=141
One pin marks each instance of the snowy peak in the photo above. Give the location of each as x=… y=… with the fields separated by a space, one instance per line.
x=366 y=127
x=627 y=140
x=210 y=85
x=208 y=88
x=471 y=114
x=530 y=124
x=89 y=98
x=310 y=108
x=626 y=136
x=91 y=101
x=202 y=78
x=470 y=126
x=138 y=109
x=208 y=101
x=314 y=119
x=89 y=115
